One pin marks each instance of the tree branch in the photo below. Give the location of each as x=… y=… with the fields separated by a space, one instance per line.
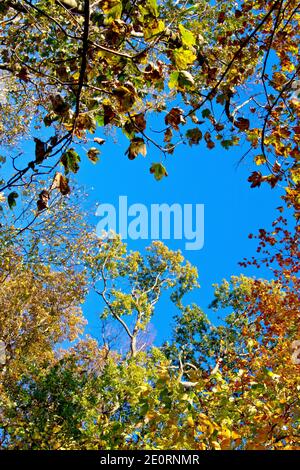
x=85 y=45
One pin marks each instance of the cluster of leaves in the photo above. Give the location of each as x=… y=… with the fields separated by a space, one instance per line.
x=214 y=72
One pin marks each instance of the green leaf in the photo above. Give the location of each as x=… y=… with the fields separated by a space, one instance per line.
x=90 y=123
x=194 y=136
x=100 y=119
x=206 y=113
x=226 y=144
x=149 y=8
x=181 y=80
x=173 y=82
x=70 y=160
x=112 y=9
x=158 y=170
x=152 y=6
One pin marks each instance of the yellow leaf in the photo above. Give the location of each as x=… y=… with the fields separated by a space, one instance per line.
x=190 y=421
x=260 y=160
x=188 y=39
x=295 y=175
x=153 y=28
x=216 y=445
x=113 y=9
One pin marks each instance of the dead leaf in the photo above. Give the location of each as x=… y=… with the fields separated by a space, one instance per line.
x=61 y=183
x=43 y=200
x=168 y=135
x=99 y=141
x=174 y=118
x=93 y=154
x=136 y=146
x=242 y=124
x=40 y=150
x=140 y=121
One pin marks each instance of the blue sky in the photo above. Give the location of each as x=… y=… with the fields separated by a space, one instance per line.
x=198 y=176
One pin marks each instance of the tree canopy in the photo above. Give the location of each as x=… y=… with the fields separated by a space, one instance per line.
x=210 y=73
x=226 y=386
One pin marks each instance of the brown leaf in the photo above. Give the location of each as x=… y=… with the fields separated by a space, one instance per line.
x=276 y=167
x=168 y=135
x=23 y=74
x=154 y=71
x=59 y=105
x=99 y=141
x=255 y=179
x=61 y=183
x=207 y=136
x=140 y=121
x=221 y=17
x=136 y=146
x=40 y=150
x=242 y=124
x=219 y=127
x=210 y=144
x=126 y=96
x=93 y=154
x=109 y=114
x=43 y=200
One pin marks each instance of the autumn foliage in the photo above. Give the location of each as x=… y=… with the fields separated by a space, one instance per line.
x=211 y=74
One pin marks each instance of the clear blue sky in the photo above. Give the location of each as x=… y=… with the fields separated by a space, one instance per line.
x=196 y=175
